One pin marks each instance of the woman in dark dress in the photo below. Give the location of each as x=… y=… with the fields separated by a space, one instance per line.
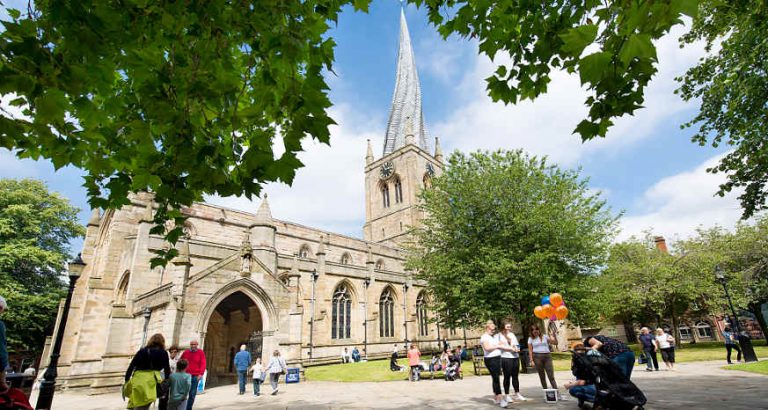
x=143 y=373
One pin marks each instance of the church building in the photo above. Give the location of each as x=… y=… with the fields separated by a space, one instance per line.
x=248 y=278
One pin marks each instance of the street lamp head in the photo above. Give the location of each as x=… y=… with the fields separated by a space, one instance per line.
x=314 y=275
x=367 y=282
x=147 y=312
x=76 y=266
x=719 y=273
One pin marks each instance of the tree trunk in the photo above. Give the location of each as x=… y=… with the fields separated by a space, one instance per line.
x=755 y=309
x=675 y=327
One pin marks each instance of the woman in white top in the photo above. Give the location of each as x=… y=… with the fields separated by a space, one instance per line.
x=492 y=349
x=539 y=355
x=666 y=344
x=510 y=362
x=257 y=375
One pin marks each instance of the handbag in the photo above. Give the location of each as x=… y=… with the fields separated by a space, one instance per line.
x=163 y=386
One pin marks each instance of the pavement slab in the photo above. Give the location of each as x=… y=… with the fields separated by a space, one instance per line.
x=700 y=385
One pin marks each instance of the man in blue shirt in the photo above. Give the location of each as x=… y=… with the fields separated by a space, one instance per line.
x=649 y=348
x=242 y=363
x=3 y=348
x=730 y=343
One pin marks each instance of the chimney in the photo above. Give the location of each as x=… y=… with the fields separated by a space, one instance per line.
x=661 y=244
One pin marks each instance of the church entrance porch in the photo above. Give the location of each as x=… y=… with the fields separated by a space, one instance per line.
x=235 y=321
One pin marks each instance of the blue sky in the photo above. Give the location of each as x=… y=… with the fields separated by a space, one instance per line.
x=646 y=167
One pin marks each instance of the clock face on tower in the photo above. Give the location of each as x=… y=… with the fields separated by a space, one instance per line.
x=387 y=170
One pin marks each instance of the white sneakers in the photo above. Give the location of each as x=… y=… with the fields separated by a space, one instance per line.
x=503 y=403
x=519 y=397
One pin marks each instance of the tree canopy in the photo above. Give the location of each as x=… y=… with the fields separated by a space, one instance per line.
x=36 y=227
x=501 y=230
x=732 y=85
x=184 y=99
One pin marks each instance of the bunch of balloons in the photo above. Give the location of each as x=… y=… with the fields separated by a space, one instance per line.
x=552 y=307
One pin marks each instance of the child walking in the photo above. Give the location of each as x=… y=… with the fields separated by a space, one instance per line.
x=181 y=382
x=257 y=371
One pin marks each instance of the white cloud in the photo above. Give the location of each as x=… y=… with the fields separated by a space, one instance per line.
x=680 y=203
x=328 y=193
x=545 y=126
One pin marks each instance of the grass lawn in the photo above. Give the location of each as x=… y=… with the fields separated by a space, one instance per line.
x=378 y=370
x=755 y=367
x=371 y=371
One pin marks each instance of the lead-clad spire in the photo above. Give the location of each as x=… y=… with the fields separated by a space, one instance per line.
x=406 y=101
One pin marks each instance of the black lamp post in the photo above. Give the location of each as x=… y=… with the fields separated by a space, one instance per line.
x=48 y=384
x=314 y=277
x=746 y=344
x=366 y=283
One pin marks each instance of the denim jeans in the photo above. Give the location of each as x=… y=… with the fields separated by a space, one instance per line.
x=256 y=387
x=626 y=361
x=584 y=393
x=653 y=362
x=193 y=392
x=241 y=380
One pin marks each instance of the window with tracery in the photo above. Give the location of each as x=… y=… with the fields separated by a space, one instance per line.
x=304 y=252
x=379 y=264
x=386 y=314
x=341 y=313
x=398 y=191
x=421 y=315
x=385 y=194
x=346 y=259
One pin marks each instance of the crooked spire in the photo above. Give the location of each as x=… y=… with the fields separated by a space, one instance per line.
x=405 y=114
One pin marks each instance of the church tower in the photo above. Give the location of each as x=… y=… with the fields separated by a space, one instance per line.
x=393 y=182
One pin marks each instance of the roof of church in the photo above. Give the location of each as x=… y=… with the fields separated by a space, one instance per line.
x=405 y=116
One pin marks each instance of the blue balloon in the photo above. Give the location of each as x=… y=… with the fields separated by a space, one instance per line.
x=545 y=300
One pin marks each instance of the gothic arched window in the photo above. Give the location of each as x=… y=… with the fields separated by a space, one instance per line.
x=380 y=264
x=341 y=314
x=421 y=314
x=346 y=259
x=387 y=314
x=122 y=288
x=304 y=252
x=398 y=191
x=385 y=194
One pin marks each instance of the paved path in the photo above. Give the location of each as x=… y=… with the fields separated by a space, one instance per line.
x=702 y=385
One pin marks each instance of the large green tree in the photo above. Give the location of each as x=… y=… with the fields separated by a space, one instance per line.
x=186 y=98
x=745 y=260
x=732 y=84
x=36 y=227
x=504 y=228
x=643 y=284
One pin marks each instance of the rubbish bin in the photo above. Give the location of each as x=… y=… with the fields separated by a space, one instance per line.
x=292 y=375
x=523 y=359
x=745 y=342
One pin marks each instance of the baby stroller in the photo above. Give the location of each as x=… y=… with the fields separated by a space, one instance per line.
x=614 y=390
x=452 y=371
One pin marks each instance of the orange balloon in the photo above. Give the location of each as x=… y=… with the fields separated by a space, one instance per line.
x=561 y=312
x=547 y=309
x=538 y=311
x=556 y=299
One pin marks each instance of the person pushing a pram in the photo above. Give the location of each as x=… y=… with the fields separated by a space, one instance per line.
x=601 y=382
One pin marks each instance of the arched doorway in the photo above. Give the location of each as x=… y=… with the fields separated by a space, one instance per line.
x=235 y=321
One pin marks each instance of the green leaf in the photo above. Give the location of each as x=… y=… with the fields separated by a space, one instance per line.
x=593 y=67
x=688 y=7
x=575 y=40
x=637 y=46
